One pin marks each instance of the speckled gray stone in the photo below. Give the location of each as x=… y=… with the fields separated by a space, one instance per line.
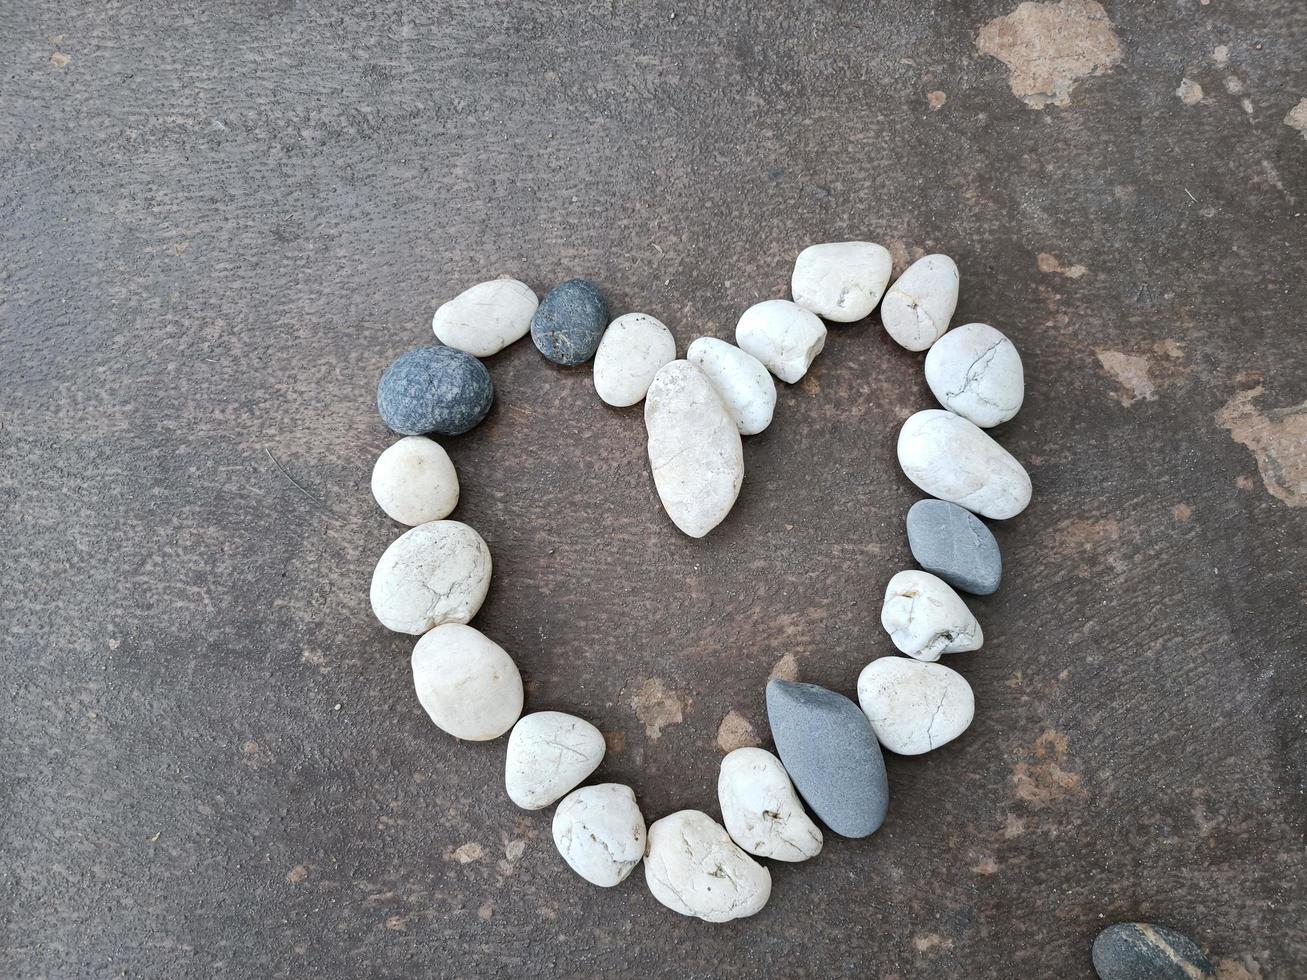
x=951 y=542
x=434 y=389
x=1139 y=951
x=831 y=753
x=570 y=322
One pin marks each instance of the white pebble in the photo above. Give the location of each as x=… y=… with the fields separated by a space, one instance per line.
x=550 y=753
x=919 y=305
x=466 y=682
x=599 y=831
x=693 y=867
x=952 y=459
x=914 y=707
x=841 y=281
x=741 y=380
x=925 y=617
x=633 y=348
x=414 y=481
x=432 y=574
x=761 y=810
x=783 y=335
x=974 y=371
x=486 y=318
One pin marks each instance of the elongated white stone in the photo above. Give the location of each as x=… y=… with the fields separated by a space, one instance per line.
x=974 y=371
x=783 y=335
x=432 y=574
x=919 y=305
x=549 y=753
x=693 y=867
x=414 y=482
x=914 y=707
x=952 y=459
x=761 y=810
x=742 y=381
x=925 y=618
x=631 y=351
x=841 y=281
x=600 y=833
x=486 y=318
x=466 y=682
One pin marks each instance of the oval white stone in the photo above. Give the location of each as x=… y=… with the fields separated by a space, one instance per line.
x=926 y=618
x=761 y=810
x=783 y=335
x=693 y=867
x=633 y=348
x=974 y=371
x=466 y=682
x=742 y=381
x=919 y=305
x=694 y=448
x=432 y=574
x=549 y=753
x=486 y=318
x=841 y=281
x=914 y=707
x=414 y=481
x=952 y=459
x=599 y=830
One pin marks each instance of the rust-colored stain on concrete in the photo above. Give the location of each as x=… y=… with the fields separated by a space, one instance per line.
x=735 y=732
x=657 y=706
x=1130 y=371
x=1044 y=781
x=1277 y=438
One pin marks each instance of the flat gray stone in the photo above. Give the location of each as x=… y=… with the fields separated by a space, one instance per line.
x=951 y=542
x=831 y=753
x=1139 y=951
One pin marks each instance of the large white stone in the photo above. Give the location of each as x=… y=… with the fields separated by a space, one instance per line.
x=761 y=810
x=694 y=448
x=414 y=481
x=486 y=318
x=914 y=707
x=633 y=348
x=466 y=682
x=952 y=459
x=693 y=867
x=549 y=753
x=599 y=831
x=974 y=371
x=742 y=381
x=925 y=617
x=841 y=281
x=919 y=305
x=432 y=574
x=783 y=335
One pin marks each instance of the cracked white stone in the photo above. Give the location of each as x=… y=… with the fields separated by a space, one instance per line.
x=914 y=707
x=783 y=335
x=600 y=833
x=694 y=448
x=487 y=317
x=761 y=810
x=974 y=371
x=841 y=281
x=632 y=349
x=693 y=867
x=549 y=753
x=926 y=618
x=919 y=305
x=953 y=459
x=743 y=382
x=466 y=682
x=414 y=481
x=435 y=573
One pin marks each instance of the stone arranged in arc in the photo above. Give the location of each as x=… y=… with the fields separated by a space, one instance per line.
x=953 y=459
x=917 y=309
x=467 y=683
x=570 y=321
x=925 y=618
x=1139 y=951
x=415 y=482
x=841 y=281
x=784 y=336
x=434 y=389
x=913 y=706
x=600 y=833
x=760 y=809
x=432 y=574
x=484 y=319
x=743 y=382
x=632 y=350
x=693 y=867
x=549 y=754
x=974 y=371
x=951 y=542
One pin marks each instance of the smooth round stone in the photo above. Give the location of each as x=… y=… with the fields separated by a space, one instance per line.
x=633 y=348
x=951 y=542
x=1139 y=951
x=761 y=811
x=742 y=381
x=486 y=318
x=569 y=322
x=925 y=618
x=783 y=335
x=434 y=389
x=841 y=281
x=693 y=867
x=549 y=754
x=919 y=305
x=974 y=371
x=466 y=682
x=694 y=448
x=953 y=459
x=599 y=831
x=831 y=753
x=914 y=707
x=432 y=574
x=414 y=481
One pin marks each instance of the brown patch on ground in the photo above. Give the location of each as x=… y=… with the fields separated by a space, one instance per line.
x=1182 y=513
x=297 y=874
x=1013 y=826
x=656 y=706
x=1244 y=968
x=1043 y=781
x=786 y=669
x=1049 y=47
x=1277 y=438
x=486 y=912
x=467 y=853
x=1078 y=536
x=986 y=866
x=1131 y=373
x=931 y=941
x=1047 y=262
x=902 y=256
x=1190 y=92
x=614 y=742
x=735 y=732
x=936 y=100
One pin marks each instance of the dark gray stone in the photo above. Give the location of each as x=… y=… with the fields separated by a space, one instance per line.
x=831 y=753
x=434 y=389
x=953 y=543
x=569 y=322
x=1139 y=951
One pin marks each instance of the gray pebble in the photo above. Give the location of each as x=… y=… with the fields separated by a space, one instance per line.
x=434 y=389
x=1139 y=951
x=570 y=322
x=951 y=542
x=831 y=753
